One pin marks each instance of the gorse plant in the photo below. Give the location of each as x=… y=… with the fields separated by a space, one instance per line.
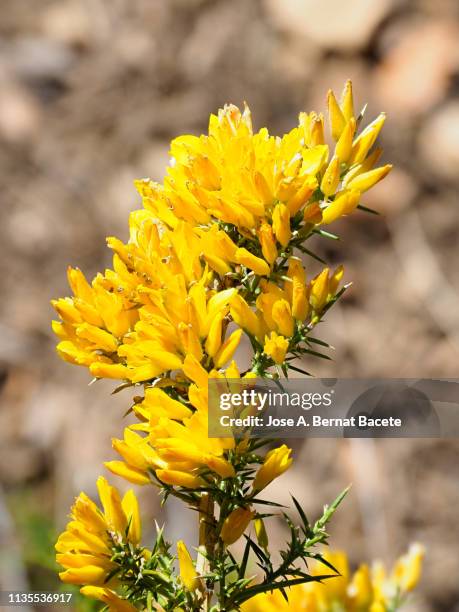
x=214 y=253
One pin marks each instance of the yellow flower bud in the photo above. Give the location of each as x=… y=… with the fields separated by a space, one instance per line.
x=263 y=189
x=258 y=265
x=319 y=290
x=244 y=316
x=188 y=573
x=268 y=242
x=109 y=370
x=312 y=213
x=330 y=180
x=235 y=524
x=260 y=530
x=407 y=571
x=128 y=472
x=177 y=478
x=335 y=280
x=130 y=507
x=281 y=224
x=111 y=502
x=217 y=263
x=277 y=461
x=343 y=204
x=317 y=136
x=366 y=140
x=360 y=589
x=303 y=194
x=282 y=316
x=214 y=338
x=300 y=304
x=89 y=574
x=365 y=181
x=347 y=101
x=314 y=159
x=276 y=347
x=228 y=349
x=110 y=598
x=336 y=117
x=343 y=147
x=189 y=340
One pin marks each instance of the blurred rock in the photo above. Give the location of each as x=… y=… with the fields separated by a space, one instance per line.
x=20 y=463
x=20 y=113
x=34 y=58
x=419 y=58
x=439 y=142
x=331 y=24
x=68 y=22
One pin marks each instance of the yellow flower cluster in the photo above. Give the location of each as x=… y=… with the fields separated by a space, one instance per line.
x=212 y=254
x=85 y=549
x=234 y=204
x=367 y=590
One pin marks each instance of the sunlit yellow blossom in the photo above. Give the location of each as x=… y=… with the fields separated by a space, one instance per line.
x=365 y=181
x=244 y=316
x=324 y=287
x=262 y=535
x=281 y=224
x=282 y=316
x=366 y=140
x=276 y=347
x=258 y=265
x=407 y=570
x=344 y=203
x=337 y=119
x=113 y=601
x=188 y=573
x=86 y=546
x=233 y=200
x=268 y=242
x=235 y=524
x=276 y=462
x=330 y=180
x=343 y=147
x=367 y=590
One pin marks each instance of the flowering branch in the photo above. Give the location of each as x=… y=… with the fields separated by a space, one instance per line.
x=216 y=252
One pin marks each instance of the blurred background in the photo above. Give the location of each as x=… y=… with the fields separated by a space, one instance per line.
x=91 y=92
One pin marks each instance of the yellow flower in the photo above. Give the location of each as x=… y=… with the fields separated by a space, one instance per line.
x=343 y=204
x=276 y=462
x=114 y=602
x=228 y=349
x=176 y=446
x=235 y=524
x=259 y=266
x=281 y=224
x=337 y=119
x=366 y=140
x=268 y=242
x=188 y=573
x=282 y=316
x=85 y=548
x=343 y=147
x=260 y=530
x=364 y=591
x=244 y=316
x=407 y=571
x=229 y=199
x=276 y=347
x=347 y=101
x=365 y=181
x=330 y=179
